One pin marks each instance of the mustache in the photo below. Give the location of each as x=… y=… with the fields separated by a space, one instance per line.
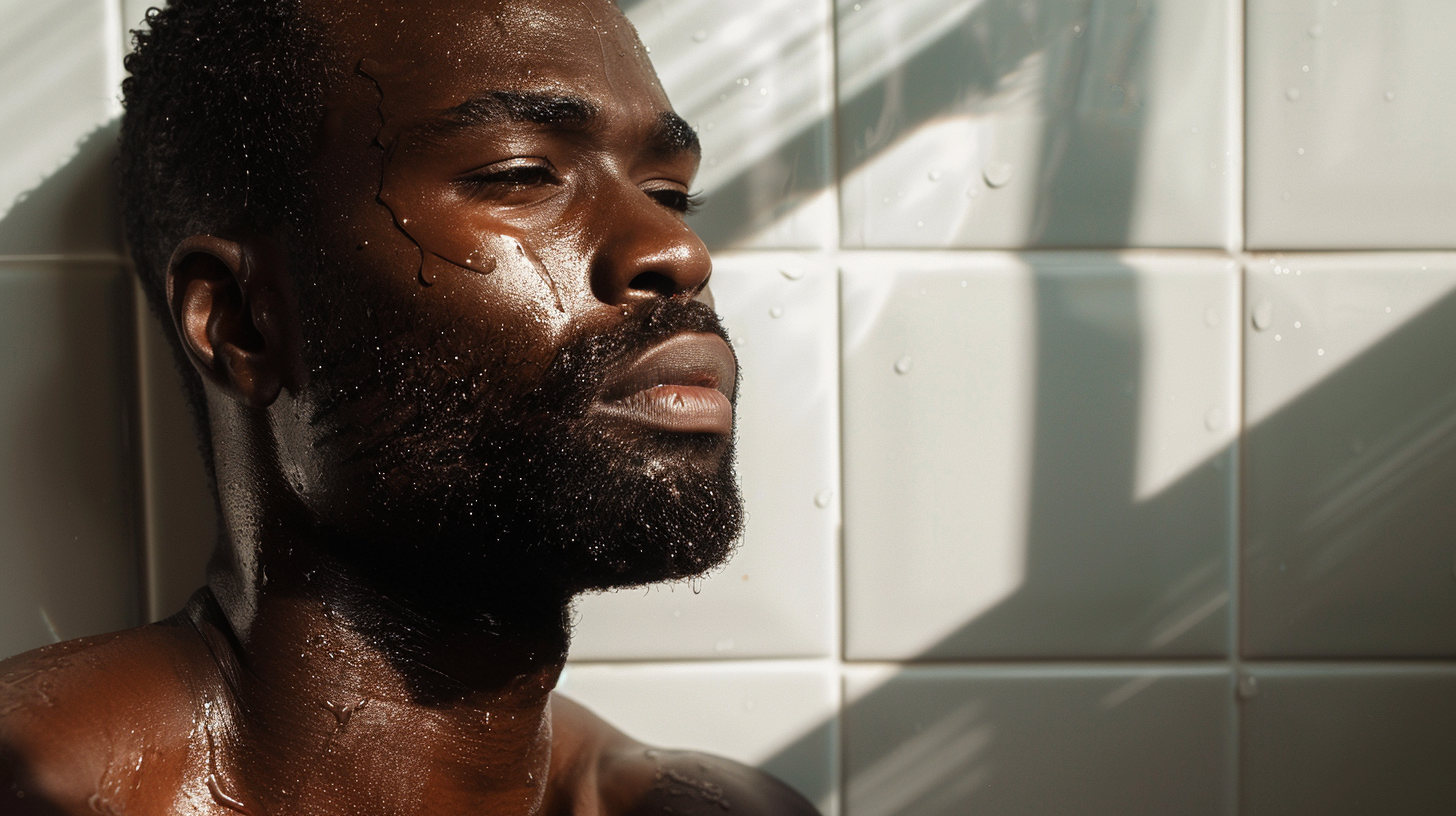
x=580 y=369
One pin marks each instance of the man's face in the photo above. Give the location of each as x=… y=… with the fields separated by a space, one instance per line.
x=508 y=369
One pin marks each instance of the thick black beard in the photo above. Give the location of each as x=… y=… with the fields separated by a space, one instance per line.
x=480 y=497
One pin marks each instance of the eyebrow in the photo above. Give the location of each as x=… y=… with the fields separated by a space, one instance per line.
x=670 y=133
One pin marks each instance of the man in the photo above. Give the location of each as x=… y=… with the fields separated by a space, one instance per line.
x=449 y=342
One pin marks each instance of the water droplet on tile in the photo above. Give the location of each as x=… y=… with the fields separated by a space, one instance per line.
x=1077 y=30
x=1278 y=337
x=934 y=175
x=919 y=224
x=1293 y=94
x=904 y=365
x=776 y=312
x=700 y=36
x=1304 y=68
x=823 y=498
x=1298 y=325
x=974 y=192
x=1248 y=687
x=998 y=173
x=1390 y=96
x=1264 y=315
x=792 y=273
x=1215 y=420
x=1387 y=310
x=1315 y=31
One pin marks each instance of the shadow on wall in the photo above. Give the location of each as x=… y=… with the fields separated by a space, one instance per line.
x=69 y=462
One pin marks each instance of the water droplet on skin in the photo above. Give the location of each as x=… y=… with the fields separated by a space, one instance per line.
x=1292 y=94
x=1264 y=315
x=776 y=312
x=903 y=365
x=997 y=174
x=792 y=273
x=215 y=788
x=823 y=498
x=700 y=36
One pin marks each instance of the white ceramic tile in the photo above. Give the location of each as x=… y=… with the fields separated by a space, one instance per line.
x=1037 y=455
x=57 y=187
x=180 y=514
x=1348 y=740
x=1350 y=121
x=776 y=716
x=1078 y=740
x=133 y=15
x=67 y=540
x=754 y=78
x=775 y=598
x=1038 y=124
x=1350 y=459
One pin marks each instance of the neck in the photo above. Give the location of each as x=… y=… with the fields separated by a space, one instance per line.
x=340 y=691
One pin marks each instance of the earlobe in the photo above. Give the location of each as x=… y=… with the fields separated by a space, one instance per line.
x=215 y=297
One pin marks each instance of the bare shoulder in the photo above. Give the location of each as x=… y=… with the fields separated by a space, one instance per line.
x=70 y=711
x=632 y=779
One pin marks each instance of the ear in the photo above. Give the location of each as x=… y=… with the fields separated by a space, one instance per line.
x=227 y=310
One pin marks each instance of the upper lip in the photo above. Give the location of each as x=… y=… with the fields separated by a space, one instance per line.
x=690 y=358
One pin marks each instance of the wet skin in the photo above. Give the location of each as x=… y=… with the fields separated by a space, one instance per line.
x=501 y=175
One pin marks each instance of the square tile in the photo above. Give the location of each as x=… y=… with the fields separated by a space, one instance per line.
x=1038 y=455
x=1350 y=122
x=1088 y=741
x=778 y=716
x=1350 y=457
x=775 y=598
x=67 y=537
x=1348 y=740
x=179 y=511
x=57 y=186
x=1039 y=124
x=754 y=78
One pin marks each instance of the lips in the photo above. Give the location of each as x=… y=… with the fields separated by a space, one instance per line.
x=683 y=384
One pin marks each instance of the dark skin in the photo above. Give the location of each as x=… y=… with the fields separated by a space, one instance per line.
x=275 y=692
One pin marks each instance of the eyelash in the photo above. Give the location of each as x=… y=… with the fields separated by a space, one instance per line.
x=529 y=174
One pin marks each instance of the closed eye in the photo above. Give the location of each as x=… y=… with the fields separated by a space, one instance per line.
x=506 y=178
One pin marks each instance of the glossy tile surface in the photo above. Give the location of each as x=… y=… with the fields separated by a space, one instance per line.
x=1086 y=741
x=776 y=716
x=1350 y=456
x=56 y=181
x=1348 y=741
x=1037 y=124
x=754 y=78
x=1037 y=455
x=67 y=540
x=775 y=597
x=1350 y=122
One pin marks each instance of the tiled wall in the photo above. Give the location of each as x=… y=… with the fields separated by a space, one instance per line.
x=1099 y=421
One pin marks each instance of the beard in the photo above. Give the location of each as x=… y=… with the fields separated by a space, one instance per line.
x=468 y=491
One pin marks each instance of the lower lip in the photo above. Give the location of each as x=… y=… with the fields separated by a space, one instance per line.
x=675 y=408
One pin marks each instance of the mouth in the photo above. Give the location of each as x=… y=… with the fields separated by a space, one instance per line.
x=682 y=385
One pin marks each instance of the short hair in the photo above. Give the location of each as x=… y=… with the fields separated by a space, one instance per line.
x=222 y=109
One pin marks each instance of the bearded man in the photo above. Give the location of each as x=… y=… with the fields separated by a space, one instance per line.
x=453 y=359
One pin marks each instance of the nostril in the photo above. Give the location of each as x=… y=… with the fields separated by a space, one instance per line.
x=654 y=282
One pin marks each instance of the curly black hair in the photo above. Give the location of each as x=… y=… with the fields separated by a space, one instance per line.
x=222 y=109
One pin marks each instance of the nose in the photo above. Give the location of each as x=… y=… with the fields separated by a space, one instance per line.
x=648 y=252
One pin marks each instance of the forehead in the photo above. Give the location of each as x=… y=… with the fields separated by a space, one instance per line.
x=439 y=53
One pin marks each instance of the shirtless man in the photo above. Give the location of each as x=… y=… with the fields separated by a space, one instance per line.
x=454 y=362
